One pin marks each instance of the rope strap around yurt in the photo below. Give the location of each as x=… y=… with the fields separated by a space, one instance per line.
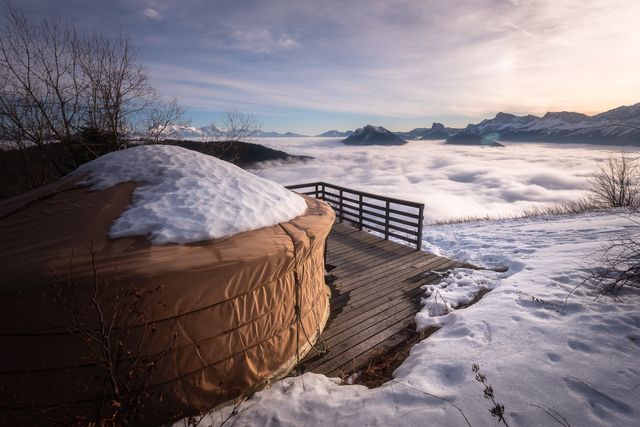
x=319 y=346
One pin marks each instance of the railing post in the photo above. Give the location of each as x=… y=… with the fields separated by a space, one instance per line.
x=386 y=222
x=360 y=212
x=420 y=224
x=320 y=190
x=326 y=241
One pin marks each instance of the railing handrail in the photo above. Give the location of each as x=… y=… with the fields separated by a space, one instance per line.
x=363 y=193
x=356 y=211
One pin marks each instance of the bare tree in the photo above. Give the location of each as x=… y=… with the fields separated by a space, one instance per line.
x=41 y=82
x=67 y=98
x=234 y=125
x=616 y=182
x=619 y=266
x=225 y=134
x=161 y=115
x=118 y=88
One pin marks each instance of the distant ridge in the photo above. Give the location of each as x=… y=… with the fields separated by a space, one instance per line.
x=435 y=132
x=243 y=154
x=261 y=134
x=373 y=135
x=620 y=126
x=336 y=134
x=191 y=132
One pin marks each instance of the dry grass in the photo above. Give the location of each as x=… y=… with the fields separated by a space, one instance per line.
x=565 y=208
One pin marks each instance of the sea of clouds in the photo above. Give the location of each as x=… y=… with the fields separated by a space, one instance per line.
x=453 y=181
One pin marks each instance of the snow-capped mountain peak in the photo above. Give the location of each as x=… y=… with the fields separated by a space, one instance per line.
x=373 y=135
x=211 y=131
x=618 y=126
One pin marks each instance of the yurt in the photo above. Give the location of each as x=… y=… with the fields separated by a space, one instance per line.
x=154 y=283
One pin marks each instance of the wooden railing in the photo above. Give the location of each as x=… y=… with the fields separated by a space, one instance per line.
x=400 y=219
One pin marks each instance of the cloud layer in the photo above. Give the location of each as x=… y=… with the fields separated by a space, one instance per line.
x=452 y=181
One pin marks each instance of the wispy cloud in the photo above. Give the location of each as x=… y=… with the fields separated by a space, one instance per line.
x=152 y=14
x=262 y=41
x=410 y=58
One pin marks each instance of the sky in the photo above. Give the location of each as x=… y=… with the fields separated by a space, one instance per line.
x=309 y=66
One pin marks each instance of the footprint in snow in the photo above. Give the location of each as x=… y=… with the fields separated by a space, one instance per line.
x=579 y=346
x=600 y=404
x=554 y=357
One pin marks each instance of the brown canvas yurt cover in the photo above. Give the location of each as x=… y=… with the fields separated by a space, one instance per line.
x=176 y=328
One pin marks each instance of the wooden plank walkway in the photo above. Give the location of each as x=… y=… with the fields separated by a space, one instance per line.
x=375 y=296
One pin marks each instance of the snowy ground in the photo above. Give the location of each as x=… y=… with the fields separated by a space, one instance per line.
x=575 y=367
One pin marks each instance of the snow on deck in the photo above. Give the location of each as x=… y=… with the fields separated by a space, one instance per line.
x=545 y=365
x=184 y=196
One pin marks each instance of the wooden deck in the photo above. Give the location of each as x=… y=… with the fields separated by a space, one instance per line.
x=375 y=296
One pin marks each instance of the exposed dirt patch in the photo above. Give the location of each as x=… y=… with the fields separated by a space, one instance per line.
x=379 y=369
x=483 y=292
x=381 y=365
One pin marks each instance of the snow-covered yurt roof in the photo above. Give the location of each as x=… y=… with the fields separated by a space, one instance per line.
x=152 y=195
x=184 y=196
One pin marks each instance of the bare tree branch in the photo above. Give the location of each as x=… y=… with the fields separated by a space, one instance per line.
x=72 y=97
x=616 y=182
x=234 y=125
x=163 y=114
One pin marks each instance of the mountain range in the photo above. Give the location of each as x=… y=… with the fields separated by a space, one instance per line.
x=183 y=132
x=263 y=134
x=620 y=126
